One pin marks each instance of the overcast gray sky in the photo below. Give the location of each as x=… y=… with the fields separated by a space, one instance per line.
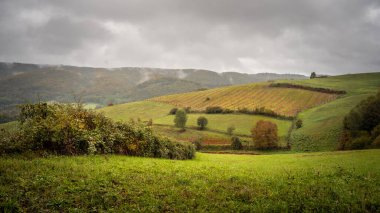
x=282 y=36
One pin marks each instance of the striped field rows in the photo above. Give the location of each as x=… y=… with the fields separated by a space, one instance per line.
x=284 y=101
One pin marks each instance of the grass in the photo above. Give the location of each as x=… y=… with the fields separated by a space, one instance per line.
x=144 y=110
x=9 y=126
x=220 y=122
x=284 y=101
x=315 y=182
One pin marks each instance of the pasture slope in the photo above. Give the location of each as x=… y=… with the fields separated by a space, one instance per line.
x=316 y=182
x=323 y=124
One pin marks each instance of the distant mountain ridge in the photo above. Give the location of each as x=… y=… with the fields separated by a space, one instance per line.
x=20 y=82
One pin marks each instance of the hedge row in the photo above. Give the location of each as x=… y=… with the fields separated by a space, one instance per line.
x=317 y=89
x=73 y=130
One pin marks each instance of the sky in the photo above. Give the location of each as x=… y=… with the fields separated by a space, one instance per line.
x=251 y=36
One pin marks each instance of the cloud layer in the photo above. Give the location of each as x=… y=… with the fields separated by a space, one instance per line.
x=282 y=36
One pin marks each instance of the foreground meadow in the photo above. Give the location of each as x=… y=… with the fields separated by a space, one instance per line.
x=328 y=181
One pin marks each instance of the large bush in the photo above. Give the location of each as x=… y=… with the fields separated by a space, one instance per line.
x=73 y=130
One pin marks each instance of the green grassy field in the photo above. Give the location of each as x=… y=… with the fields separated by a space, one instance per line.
x=220 y=122
x=144 y=110
x=216 y=132
x=216 y=129
x=190 y=135
x=314 y=182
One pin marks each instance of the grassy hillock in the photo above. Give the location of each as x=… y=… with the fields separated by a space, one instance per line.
x=322 y=125
x=283 y=101
x=317 y=182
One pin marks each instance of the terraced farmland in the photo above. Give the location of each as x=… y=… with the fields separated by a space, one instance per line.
x=284 y=101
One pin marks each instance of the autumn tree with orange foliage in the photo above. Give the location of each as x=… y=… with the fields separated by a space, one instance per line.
x=265 y=135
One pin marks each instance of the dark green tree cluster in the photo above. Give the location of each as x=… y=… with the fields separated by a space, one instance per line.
x=362 y=125
x=73 y=130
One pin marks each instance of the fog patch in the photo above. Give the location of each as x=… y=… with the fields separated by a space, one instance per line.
x=181 y=74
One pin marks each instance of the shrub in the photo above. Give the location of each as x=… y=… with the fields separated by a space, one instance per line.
x=173 y=111
x=73 y=130
x=236 y=143
x=264 y=111
x=180 y=119
x=202 y=122
x=299 y=123
x=214 y=110
x=375 y=131
x=230 y=130
x=227 y=111
x=265 y=135
x=376 y=142
x=360 y=142
x=187 y=109
x=150 y=122
x=198 y=143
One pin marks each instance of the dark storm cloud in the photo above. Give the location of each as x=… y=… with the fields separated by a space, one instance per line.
x=284 y=36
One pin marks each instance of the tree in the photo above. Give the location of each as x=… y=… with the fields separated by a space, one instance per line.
x=265 y=135
x=202 y=122
x=173 y=111
x=230 y=130
x=236 y=143
x=313 y=75
x=299 y=123
x=180 y=119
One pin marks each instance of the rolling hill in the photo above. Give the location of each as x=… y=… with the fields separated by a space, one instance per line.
x=20 y=83
x=322 y=113
x=323 y=124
